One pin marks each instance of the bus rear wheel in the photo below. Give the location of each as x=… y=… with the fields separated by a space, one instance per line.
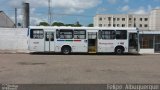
x=66 y=50
x=119 y=51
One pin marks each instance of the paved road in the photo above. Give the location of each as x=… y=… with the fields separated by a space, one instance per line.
x=79 y=69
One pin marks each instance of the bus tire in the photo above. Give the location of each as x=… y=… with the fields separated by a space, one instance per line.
x=119 y=50
x=66 y=50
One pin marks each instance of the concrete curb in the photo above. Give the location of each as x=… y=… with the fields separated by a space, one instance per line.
x=14 y=52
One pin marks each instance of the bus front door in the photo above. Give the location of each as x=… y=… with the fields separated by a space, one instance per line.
x=49 y=42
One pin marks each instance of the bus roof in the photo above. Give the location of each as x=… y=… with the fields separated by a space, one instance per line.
x=87 y=28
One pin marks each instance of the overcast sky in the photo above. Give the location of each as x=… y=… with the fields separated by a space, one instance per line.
x=70 y=11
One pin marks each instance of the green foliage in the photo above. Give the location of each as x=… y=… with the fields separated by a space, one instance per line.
x=72 y=25
x=43 y=24
x=90 y=25
x=77 y=24
x=58 y=24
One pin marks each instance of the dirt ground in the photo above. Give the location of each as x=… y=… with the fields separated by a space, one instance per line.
x=79 y=69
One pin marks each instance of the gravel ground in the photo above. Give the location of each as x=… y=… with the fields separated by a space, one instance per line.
x=79 y=69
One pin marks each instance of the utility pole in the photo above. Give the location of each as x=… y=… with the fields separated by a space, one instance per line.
x=15 y=17
x=49 y=13
x=26 y=17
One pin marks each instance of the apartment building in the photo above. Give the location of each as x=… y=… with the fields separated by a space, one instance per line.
x=143 y=22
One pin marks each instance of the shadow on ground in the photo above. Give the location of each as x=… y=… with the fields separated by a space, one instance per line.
x=97 y=54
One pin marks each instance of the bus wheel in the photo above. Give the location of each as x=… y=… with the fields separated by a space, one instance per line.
x=66 y=50
x=119 y=51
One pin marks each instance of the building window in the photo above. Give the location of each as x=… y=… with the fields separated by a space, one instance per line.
x=121 y=34
x=100 y=25
x=146 y=19
x=114 y=25
x=141 y=19
x=108 y=34
x=79 y=34
x=36 y=33
x=145 y=25
x=66 y=34
x=123 y=19
x=117 y=25
x=118 y=19
x=134 y=19
x=114 y=19
x=140 y=25
x=100 y=19
x=130 y=25
x=109 y=25
x=109 y=18
x=123 y=25
x=130 y=19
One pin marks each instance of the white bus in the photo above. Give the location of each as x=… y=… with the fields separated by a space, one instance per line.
x=68 y=40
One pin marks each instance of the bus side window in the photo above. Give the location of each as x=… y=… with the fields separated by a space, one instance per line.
x=31 y=33
x=57 y=34
x=62 y=36
x=79 y=34
x=108 y=34
x=66 y=34
x=121 y=34
x=100 y=34
x=36 y=33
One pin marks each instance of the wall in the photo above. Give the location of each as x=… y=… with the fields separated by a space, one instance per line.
x=146 y=51
x=13 y=40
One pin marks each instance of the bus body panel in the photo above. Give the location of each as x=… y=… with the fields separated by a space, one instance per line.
x=106 y=45
x=110 y=45
x=36 y=45
x=76 y=45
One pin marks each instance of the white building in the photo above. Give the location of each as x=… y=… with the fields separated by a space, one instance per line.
x=154 y=23
x=143 y=22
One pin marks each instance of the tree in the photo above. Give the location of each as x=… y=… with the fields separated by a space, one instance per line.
x=90 y=25
x=72 y=25
x=58 y=24
x=43 y=24
x=77 y=24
